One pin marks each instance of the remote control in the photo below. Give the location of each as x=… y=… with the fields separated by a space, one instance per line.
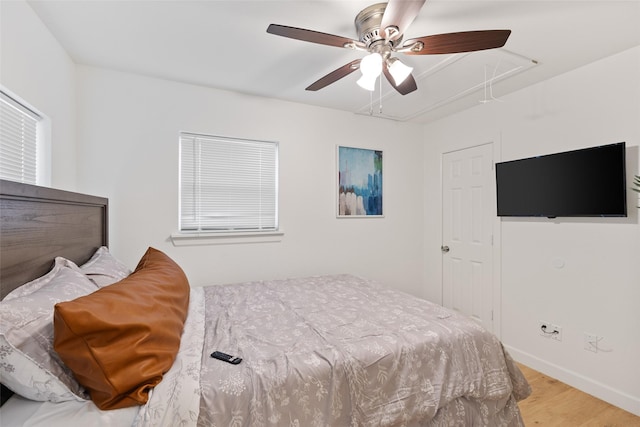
x=226 y=357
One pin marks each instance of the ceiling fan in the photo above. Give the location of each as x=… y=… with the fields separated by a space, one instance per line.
x=381 y=28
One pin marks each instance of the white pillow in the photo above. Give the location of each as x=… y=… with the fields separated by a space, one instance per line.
x=28 y=363
x=104 y=269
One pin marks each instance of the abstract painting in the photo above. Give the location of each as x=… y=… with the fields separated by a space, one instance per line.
x=359 y=182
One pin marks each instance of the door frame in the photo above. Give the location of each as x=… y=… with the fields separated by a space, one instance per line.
x=496 y=145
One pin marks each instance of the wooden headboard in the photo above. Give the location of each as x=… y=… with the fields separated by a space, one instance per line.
x=38 y=223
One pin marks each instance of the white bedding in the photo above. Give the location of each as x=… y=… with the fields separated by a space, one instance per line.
x=21 y=412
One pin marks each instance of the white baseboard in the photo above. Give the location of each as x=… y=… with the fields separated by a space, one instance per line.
x=601 y=391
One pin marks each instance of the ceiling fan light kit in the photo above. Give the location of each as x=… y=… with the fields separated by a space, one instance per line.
x=380 y=29
x=371 y=65
x=367 y=82
x=398 y=70
x=371 y=68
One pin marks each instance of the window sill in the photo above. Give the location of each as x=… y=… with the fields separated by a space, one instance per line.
x=196 y=239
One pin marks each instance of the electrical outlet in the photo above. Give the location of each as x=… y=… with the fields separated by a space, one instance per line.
x=549 y=330
x=591 y=342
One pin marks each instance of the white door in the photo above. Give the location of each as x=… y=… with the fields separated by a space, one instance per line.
x=467 y=232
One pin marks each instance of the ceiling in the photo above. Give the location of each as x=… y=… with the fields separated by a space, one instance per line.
x=224 y=45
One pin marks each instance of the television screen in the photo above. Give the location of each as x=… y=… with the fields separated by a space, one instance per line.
x=587 y=182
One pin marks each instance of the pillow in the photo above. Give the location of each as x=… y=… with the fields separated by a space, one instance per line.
x=28 y=364
x=121 y=339
x=104 y=269
x=33 y=286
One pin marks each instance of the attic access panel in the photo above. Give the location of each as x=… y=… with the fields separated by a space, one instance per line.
x=448 y=78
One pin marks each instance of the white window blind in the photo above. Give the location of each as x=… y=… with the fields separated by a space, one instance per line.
x=227 y=184
x=18 y=141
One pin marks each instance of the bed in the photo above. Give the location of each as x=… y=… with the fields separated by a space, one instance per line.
x=336 y=350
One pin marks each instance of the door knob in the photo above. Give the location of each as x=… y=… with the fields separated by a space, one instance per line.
x=444 y=249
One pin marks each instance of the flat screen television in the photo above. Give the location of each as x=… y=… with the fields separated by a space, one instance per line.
x=590 y=182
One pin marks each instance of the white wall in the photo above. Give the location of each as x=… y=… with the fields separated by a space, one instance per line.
x=128 y=129
x=36 y=68
x=598 y=289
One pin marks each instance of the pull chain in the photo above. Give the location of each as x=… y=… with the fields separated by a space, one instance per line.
x=380 y=98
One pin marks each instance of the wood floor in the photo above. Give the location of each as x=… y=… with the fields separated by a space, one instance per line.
x=553 y=403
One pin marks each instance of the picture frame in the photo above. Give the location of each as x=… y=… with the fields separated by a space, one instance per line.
x=360 y=188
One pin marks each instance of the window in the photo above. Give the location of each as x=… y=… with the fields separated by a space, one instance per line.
x=228 y=184
x=19 y=132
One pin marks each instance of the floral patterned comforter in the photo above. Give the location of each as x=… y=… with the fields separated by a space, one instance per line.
x=344 y=351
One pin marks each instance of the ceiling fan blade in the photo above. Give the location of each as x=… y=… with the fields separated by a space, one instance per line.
x=399 y=14
x=466 y=41
x=407 y=86
x=311 y=36
x=335 y=75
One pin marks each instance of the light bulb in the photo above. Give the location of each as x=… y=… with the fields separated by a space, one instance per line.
x=367 y=82
x=371 y=65
x=398 y=70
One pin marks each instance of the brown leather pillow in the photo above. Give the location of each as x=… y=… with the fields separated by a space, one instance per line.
x=121 y=339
